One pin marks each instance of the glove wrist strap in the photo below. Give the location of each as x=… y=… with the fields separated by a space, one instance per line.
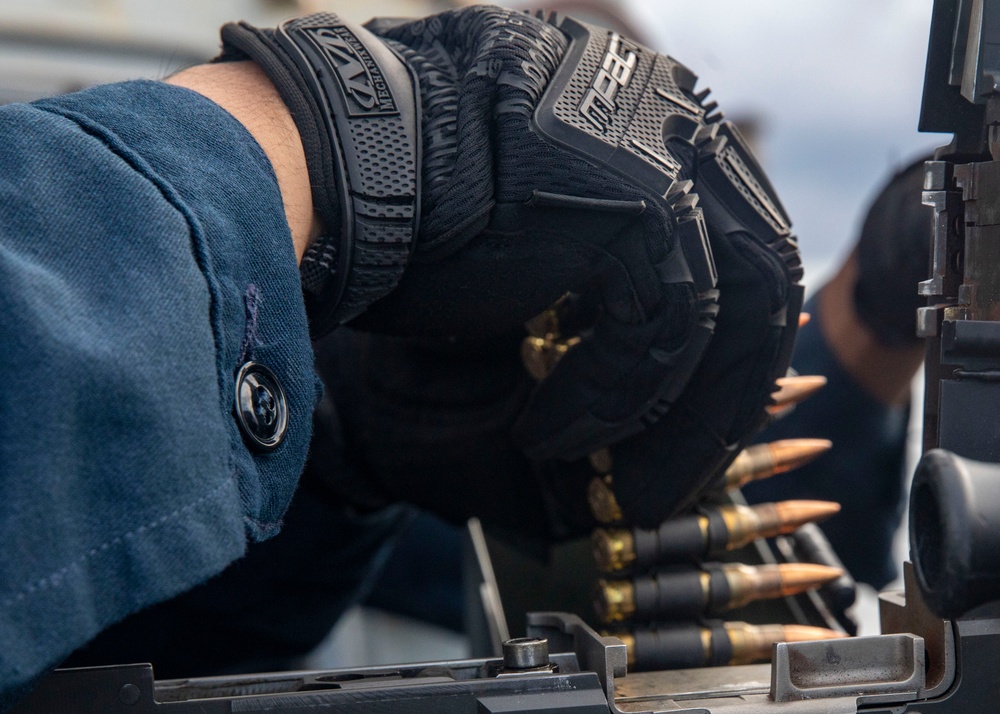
x=355 y=103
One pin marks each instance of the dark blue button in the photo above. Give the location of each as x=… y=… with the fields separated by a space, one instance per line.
x=261 y=407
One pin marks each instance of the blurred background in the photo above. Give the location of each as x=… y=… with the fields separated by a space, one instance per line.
x=828 y=92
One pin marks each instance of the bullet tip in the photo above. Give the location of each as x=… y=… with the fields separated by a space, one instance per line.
x=789 y=454
x=801 y=512
x=802 y=381
x=799 y=577
x=792 y=390
x=805 y=633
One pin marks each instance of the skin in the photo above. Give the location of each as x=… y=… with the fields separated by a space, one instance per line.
x=243 y=90
x=885 y=372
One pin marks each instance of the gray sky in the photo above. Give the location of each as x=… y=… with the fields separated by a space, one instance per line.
x=837 y=86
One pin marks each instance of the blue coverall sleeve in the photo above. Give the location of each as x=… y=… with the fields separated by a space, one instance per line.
x=144 y=257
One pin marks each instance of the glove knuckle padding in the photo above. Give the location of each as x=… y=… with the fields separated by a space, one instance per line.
x=560 y=157
x=760 y=298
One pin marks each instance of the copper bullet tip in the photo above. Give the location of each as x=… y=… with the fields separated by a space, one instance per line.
x=761 y=582
x=766 y=520
x=792 y=390
x=805 y=633
x=798 y=577
x=762 y=461
x=752 y=643
x=793 y=514
x=804 y=318
x=790 y=454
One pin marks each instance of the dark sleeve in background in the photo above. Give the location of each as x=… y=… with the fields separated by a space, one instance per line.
x=864 y=469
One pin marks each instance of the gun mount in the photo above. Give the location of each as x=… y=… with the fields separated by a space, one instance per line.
x=925 y=664
x=951 y=509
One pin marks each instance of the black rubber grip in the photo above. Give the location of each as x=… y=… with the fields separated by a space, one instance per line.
x=370 y=105
x=356 y=105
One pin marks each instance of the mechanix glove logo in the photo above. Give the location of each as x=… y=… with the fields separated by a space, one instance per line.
x=615 y=73
x=365 y=87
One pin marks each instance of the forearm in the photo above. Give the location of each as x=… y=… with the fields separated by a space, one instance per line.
x=243 y=90
x=144 y=257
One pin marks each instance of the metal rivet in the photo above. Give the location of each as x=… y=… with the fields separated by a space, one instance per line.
x=526 y=653
x=129 y=694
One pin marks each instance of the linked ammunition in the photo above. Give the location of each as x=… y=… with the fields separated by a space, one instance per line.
x=602 y=501
x=811 y=546
x=601 y=461
x=540 y=355
x=696 y=537
x=689 y=646
x=762 y=461
x=792 y=390
x=689 y=594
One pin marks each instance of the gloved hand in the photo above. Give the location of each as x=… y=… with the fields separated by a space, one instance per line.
x=672 y=462
x=552 y=156
x=429 y=422
x=662 y=469
x=893 y=256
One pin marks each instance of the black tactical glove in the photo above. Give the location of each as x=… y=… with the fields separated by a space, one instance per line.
x=428 y=422
x=664 y=468
x=893 y=256
x=554 y=156
x=723 y=405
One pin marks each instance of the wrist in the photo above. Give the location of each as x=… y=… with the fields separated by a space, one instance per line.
x=243 y=90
